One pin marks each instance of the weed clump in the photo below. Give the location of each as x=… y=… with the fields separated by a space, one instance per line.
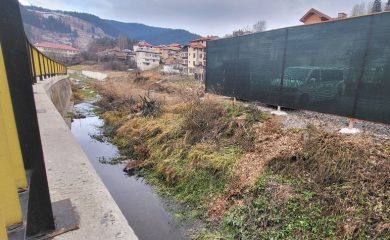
x=278 y=207
x=147 y=107
x=224 y=124
x=350 y=177
x=195 y=157
x=189 y=147
x=203 y=121
x=328 y=158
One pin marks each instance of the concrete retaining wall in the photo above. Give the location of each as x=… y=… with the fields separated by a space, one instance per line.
x=95 y=75
x=70 y=173
x=60 y=92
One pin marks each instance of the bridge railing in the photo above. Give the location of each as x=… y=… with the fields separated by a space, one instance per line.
x=25 y=204
x=43 y=66
x=12 y=174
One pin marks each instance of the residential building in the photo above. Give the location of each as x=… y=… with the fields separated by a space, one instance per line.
x=116 y=53
x=143 y=45
x=315 y=16
x=57 y=49
x=130 y=55
x=159 y=49
x=147 y=58
x=196 y=62
x=183 y=59
x=204 y=40
x=171 y=51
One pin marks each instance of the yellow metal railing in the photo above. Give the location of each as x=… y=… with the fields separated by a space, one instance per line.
x=12 y=170
x=12 y=174
x=43 y=66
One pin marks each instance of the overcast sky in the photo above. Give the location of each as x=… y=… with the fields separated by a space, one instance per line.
x=204 y=17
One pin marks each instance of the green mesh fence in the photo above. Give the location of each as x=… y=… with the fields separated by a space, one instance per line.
x=340 y=67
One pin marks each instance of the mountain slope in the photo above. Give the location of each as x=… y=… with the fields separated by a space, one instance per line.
x=154 y=35
x=80 y=29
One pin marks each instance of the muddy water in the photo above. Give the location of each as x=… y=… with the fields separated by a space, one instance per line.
x=143 y=209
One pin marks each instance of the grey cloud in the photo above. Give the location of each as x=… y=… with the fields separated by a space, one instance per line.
x=203 y=16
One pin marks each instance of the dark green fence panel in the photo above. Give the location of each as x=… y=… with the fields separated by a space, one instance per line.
x=339 y=67
x=261 y=62
x=221 y=67
x=323 y=65
x=373 y=102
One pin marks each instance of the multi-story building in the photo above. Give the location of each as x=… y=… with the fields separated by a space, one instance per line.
x=171 y=51
x=196 y=61
x=159 y=49
x=147 y=59
x=184 y=59
x=315 y=16
x=57 y=49
x=143 y=45
x=116 y=53
x=147 y=56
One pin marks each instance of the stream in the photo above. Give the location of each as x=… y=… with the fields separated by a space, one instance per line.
x=143 y=208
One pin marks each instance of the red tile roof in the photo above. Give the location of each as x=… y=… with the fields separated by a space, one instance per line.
x=316 y=12
x=174 y=45
x=197 y=45
x=56 y=46
x=144 y=44
x=208 y=38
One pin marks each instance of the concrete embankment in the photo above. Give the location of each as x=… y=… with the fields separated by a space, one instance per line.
x=70 y=173
x=95 y=75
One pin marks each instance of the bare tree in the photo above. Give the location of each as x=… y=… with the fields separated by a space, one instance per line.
x=377 y=6
x=387 y=7
x=359 y=10
x=243 y=31
x=122 y=42
x=260 y=26
x=370 y=6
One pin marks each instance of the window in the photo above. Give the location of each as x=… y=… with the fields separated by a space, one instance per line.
x=194 y=55
x=194 y=63
x=200 y=56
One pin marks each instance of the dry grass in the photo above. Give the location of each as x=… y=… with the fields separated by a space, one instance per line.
x=270 y=142
x=166 y=89
x=239 y=165
x=350 y=175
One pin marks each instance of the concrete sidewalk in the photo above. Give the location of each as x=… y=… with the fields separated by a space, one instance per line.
x=71 y=175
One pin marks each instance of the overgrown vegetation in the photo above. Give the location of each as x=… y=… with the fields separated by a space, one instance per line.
x=236 y=168
x=336 y=187
x=189 y=148
x=82 y=89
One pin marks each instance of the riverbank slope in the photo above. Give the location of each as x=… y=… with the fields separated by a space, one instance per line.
x=247 y=174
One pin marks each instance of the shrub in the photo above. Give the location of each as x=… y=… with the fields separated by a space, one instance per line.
x=115 y=66
x=203 y=121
